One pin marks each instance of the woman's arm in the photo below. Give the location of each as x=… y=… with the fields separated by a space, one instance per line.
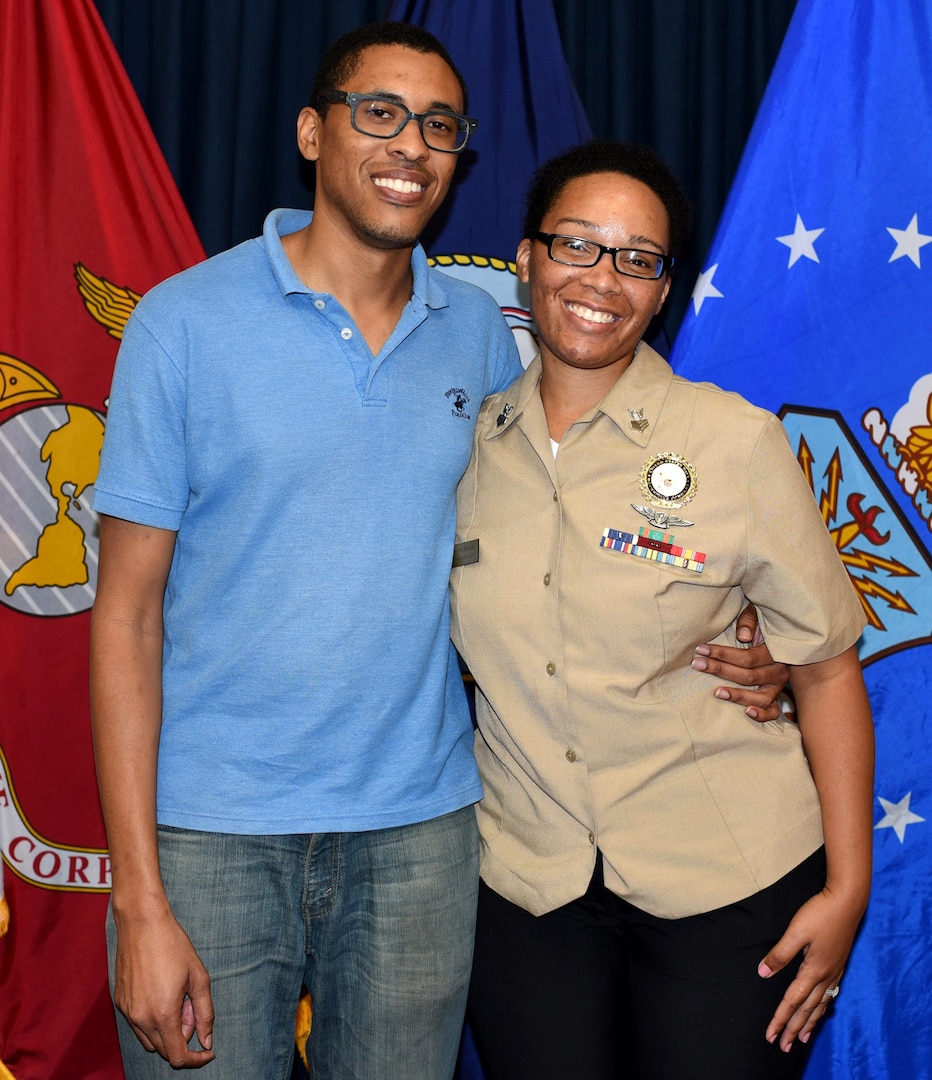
x=835 y=721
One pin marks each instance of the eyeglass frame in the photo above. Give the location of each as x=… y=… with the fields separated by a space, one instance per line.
x=353 y=99
x=666 y=261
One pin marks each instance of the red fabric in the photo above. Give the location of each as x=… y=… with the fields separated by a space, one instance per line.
x=82 y=181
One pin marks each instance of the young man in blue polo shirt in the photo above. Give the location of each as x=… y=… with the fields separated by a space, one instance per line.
x=283 y=744
x=272 y=676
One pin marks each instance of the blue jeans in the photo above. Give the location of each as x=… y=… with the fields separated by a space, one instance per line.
x=379 y=926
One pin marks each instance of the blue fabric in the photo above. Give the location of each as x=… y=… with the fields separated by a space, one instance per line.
x=309 y=683
x=815 y=302
x=377 y=924
x=520 y=90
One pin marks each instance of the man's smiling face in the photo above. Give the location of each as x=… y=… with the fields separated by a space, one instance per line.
x=385 y=190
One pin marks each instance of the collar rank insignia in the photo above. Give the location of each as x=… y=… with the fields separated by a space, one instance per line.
x=637 y=420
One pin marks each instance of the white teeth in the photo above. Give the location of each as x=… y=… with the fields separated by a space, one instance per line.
x=404 y=187
x=589 y=315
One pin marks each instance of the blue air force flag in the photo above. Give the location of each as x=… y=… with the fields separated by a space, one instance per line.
x=816 y=302
x=521 y=92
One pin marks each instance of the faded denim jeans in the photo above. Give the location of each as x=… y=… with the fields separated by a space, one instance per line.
x=379 y=926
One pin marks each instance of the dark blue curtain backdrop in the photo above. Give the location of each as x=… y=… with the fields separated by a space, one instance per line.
x=222 y=82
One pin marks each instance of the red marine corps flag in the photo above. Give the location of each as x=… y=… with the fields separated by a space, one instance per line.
x=89 y=219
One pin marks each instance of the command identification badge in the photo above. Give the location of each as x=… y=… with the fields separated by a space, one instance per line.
x=668 y=480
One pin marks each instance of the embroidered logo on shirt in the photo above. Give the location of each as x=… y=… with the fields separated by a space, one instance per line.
x=655 y=545
x=459 y=399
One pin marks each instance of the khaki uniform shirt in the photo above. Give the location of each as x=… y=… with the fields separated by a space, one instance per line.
x=594 y=732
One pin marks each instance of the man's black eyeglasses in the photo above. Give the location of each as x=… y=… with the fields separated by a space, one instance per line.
x=383 y=119
x=632 y=262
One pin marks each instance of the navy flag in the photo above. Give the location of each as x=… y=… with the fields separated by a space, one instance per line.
x=815 y=301
x=521 y=92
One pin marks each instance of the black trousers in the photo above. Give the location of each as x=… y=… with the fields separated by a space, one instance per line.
x=599 y=990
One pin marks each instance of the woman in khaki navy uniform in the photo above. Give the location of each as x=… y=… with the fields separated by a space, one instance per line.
x=669 y=891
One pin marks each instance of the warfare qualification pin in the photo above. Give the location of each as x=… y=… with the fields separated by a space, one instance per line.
x=668 y=480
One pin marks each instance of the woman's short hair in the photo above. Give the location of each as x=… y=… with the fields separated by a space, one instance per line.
x=608 y=155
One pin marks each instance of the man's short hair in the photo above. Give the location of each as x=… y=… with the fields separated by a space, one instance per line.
x=342 y=60
x=608 y=155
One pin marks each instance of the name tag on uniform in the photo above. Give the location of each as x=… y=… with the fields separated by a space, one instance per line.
x=466 y=553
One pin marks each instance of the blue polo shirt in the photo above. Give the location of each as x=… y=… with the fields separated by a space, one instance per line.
x=308 y=680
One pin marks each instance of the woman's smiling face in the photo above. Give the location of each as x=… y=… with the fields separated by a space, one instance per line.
x=592 y=317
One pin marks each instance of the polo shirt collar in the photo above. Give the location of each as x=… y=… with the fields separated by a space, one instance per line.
x=429 y=284
x=280 y=223
x=428 y=288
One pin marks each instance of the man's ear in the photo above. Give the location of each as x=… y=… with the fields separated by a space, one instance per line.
x=309 y=130
x=521 y=260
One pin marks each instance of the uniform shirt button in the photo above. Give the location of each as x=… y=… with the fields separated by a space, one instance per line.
x=319 y=304
x=546 y=579
x=346 y=333
x=571 y=755
x=591 y=838
x=551 y=669
x=555 y=499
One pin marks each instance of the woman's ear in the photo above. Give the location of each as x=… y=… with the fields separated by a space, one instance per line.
x=309 y=129
x=522 y=256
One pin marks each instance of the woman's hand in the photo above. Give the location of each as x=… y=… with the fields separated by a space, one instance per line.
x=823 y=930
x=835 y=721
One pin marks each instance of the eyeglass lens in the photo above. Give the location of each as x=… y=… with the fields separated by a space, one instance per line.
x=631 y=261
x=441 y=130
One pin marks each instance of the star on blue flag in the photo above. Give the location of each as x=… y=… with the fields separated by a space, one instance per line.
x=898 y=816
x=909 y=241
x=801 y=242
